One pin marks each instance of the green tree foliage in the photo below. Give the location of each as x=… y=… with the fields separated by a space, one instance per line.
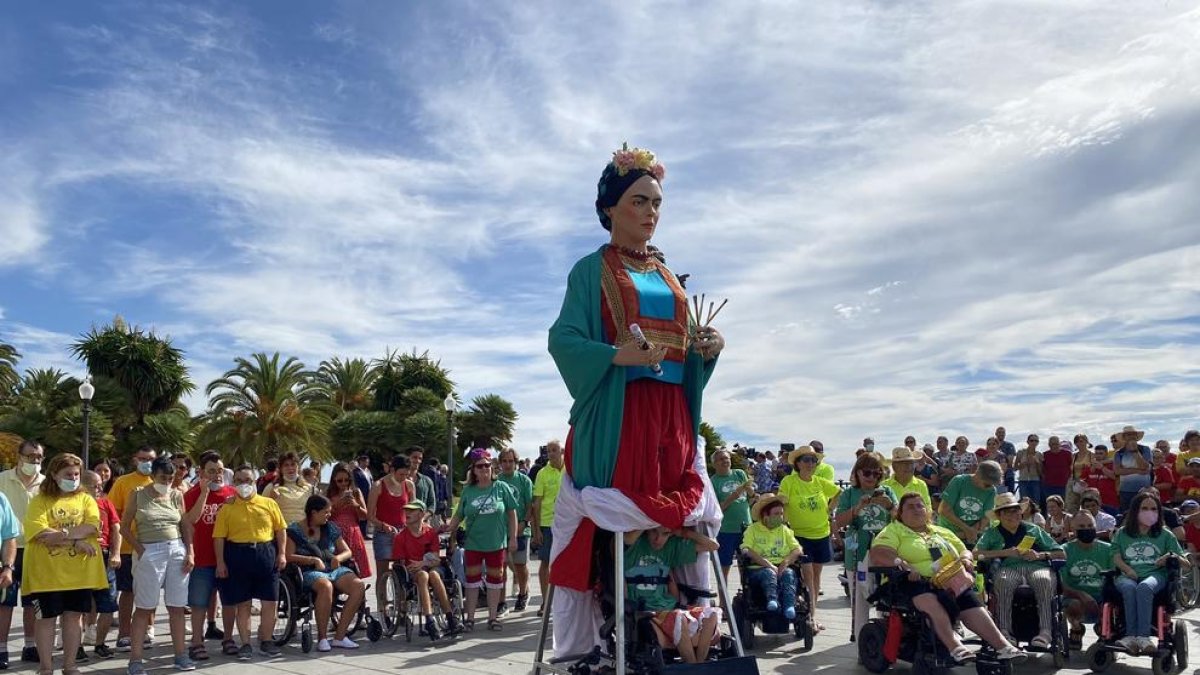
x=488 y=421
x=263 y=407
x=398 y=373
x=377 y=433
x=348 y=383
x=45 y=407
x=9 y=378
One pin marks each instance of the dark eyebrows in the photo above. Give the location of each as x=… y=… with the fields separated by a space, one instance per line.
x=639 y=196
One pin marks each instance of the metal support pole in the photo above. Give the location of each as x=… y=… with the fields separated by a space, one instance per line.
x=87 y=435
x=723 y=589
x=619 y=592
x=450 y=458
x=539 y=657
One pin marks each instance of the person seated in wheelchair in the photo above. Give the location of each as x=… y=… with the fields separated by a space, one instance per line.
x=416 y=553
x=316 y=546
x=1023 y=551
x=1142 y=547
x=772 y=547
x=650 y=555
x=940 y=580
x=1088 y=557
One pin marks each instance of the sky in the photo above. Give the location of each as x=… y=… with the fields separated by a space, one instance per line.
x=927 y=219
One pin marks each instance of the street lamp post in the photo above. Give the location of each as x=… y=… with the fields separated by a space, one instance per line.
x=450 y=405
x=86 y=392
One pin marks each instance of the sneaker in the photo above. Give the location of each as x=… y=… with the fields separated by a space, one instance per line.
x=30 y=655
x=522 y=601
x=268 y=648
x=1147 y=645
x=453 y=625
x=246 y=652
x=214 y=633
x=150 y=633
x=502 y=608
x=102 y=651
x=135 y=668
x=123 y=644
x=773 y=606
x=1129 y=643
x=344 y=643
x=790 y=613
x=4 y=660
x=81 y=654
x=431 y=629
x=182 y=662
x=89 y=635
x=323 y=645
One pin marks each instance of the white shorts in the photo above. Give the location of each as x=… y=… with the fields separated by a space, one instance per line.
x=160 y=568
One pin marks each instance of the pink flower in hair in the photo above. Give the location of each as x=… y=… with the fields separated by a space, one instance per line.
x=659 y=172
x=625 y=161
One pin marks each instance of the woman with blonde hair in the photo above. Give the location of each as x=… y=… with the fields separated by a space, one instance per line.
x=290 y=490
x=62 y=565
x=1081 y=466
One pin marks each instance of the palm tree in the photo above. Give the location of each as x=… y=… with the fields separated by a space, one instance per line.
x=488 y=421
x=397 y=373
x=347 y=383
x=46 y=407
x=262 y=406
x=8 y=370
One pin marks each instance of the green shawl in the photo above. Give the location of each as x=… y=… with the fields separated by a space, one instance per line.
x=584 y=359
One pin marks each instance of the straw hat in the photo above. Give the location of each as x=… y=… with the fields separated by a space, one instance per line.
x=1129 y=429
x=800 y=452
x=765 y=500
x=903 y=454
x=1005 y=500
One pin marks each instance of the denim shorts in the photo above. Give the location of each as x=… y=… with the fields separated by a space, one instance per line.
x=310 y=577
x=819 y=551
x=9 y=597
x=730 y=542
x=201 y=585
x=521 y=557
x=106 y=599
x=383 y=543
x=543 y=551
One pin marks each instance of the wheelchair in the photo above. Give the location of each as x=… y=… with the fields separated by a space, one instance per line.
x=1025 y=620
x=296 y=611
x=750 y=608
x=1171 y=656
x=404 y=603
x=904 y=633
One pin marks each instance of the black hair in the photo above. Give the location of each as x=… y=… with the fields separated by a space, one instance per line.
x=1131 y=517
x=162 y=465
x=413 y=448
x=209 y=456
x=400 y=462
x=315 y=503
x=29 y=444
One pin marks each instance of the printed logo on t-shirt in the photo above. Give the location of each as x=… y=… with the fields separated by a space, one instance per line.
x=873 y=518
x=484 y=505
x=1087 y=572
x=970 y=508
x=728 y=487
x=648 y=566
x=1140 y=553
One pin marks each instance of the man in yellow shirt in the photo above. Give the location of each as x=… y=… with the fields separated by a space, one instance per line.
x=20 y=485
x=809 y=500
x=903 y=479
x=545 y=493
x=119 y=494
x=249 y=541
x=1189 y=448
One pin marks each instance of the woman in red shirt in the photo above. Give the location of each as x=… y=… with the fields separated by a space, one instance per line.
x=385 y=510
x=1102 y=477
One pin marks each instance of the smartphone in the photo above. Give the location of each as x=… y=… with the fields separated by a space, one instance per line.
x=787 y=447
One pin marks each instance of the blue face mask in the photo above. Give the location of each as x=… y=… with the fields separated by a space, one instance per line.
x=68 y=485
x=144 y=468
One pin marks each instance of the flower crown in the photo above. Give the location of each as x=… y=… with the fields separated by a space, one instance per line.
x=628 y=159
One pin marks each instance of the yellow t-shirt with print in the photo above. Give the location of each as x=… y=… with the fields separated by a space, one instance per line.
x=808 y=505
x=61 y=568
x=772 y=544
x=915 y=547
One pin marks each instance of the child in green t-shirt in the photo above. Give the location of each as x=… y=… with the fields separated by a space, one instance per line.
x=650 y=556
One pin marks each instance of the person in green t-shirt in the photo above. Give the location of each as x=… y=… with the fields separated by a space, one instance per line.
x=772 y=548
x=864 y=509
x=650 y=555
x=488 y=510
x=545 y=493
x=967 y=499
x=1088 y=558
x=522 y=488
x=733 y=489
x=1142 y=546
x=824 y=469
x=1023 y=551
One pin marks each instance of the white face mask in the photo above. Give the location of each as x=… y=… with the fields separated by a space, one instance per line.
x=162 y=489
x=31 y=468
x=290 y=477
x=245 y=490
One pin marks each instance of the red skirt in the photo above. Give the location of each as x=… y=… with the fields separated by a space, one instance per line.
x=654 y=469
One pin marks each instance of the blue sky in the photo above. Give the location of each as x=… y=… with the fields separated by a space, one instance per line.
x=927 y=221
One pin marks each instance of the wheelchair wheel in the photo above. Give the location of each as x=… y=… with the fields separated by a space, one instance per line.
x=926 y=664
x=1163 y=664
x=1188 y=589
x=870 y=646
x=741 y=615
x=287 y=614
x=393 y=595
x=1180 y=638
x=1098 y=658
x=410 y=625
x=804 y=632
x=1060 y=647
x=306 y=638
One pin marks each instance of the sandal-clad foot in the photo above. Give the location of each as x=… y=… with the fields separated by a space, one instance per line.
x=494 y=624
x=962 y=654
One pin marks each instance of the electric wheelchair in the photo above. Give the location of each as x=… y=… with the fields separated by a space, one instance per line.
x=1025 y=619
x=1171 y=654
x=296 y=611
x=750 y=608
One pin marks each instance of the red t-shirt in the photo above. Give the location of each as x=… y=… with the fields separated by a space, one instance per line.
x=109 y=518
x=1056 y=468
x=1107 y=486
x=408 y=547
x=982 y=454
x=1188 y=488
x=1166 y=474
x=202 y=536
x=1192 y=534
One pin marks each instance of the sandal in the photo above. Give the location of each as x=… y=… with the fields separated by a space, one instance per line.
x=962 y=654
x=494 y=624
x=197 y=653
x=1076 y=638
x=229 y=648
x=1040 y=642
x=71 y=671
x=469 y=625
x=1010 y=652
x=816 y=627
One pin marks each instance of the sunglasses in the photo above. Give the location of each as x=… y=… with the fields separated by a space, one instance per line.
x=483 y=466
x=870 y=473
x=807 y=460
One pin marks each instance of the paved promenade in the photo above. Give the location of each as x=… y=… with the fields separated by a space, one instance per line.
x=510 y=652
